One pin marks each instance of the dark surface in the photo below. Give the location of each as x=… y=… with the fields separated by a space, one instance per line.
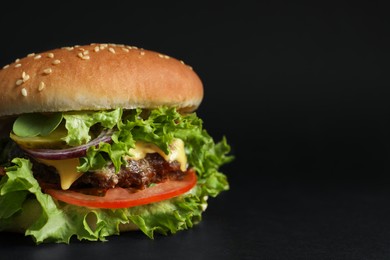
x=302 y=94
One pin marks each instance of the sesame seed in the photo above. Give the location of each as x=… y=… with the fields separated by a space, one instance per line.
x=69 y=48
x=182 y=62
x=125 y=50
x=19 y=82
x=96 y=49
x=189 y=67
x=55 y=62
x=81 y=49
x=164 y=56
x=18 y=65
x=31 y=54
x=41 y=86
x=37 y=57
x=83 y=55
x=47 y=71
x=50 y=55
x=17 y=60
x=111 y=50
x=24 y=92
x=26 y=77
x=142 y=53
x=6 y=66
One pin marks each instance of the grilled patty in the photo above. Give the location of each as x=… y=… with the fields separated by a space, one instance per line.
x=137 y=174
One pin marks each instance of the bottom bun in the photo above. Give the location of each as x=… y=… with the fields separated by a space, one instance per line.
x=128 y=227
x=32 y=210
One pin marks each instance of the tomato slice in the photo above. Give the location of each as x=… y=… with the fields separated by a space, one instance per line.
x=126 y=198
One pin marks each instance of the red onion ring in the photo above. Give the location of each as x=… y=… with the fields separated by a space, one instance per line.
x=73 y=152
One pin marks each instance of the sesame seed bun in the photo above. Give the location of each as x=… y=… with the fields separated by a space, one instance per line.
x=97 y=77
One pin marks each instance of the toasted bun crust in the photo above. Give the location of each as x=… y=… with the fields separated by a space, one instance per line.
x=97 y=77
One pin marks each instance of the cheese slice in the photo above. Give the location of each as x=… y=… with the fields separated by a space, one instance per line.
x=67 y=168
x=177 y=152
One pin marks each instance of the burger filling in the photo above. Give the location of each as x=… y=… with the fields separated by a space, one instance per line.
x=136 y=174
x=155 y=168
x=143 y=164
x=146 y=165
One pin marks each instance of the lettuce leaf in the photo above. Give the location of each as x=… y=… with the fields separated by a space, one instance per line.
x=18 y=183
x=20 y=194
x=78 y=124
x=34 y=124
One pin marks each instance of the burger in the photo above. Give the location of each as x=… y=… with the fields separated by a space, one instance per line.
x=101 y=139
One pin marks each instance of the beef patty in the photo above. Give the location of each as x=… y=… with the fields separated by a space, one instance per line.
x=137 y=174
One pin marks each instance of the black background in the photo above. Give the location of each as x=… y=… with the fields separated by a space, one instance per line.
x=300 y=91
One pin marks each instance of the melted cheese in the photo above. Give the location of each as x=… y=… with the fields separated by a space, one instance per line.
x=66 y=169
x=177 y=152
x=68 y=172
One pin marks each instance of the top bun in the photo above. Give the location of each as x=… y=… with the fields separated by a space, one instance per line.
x=97 y=77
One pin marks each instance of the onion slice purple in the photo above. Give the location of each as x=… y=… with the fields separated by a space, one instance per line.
x=73 y=152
